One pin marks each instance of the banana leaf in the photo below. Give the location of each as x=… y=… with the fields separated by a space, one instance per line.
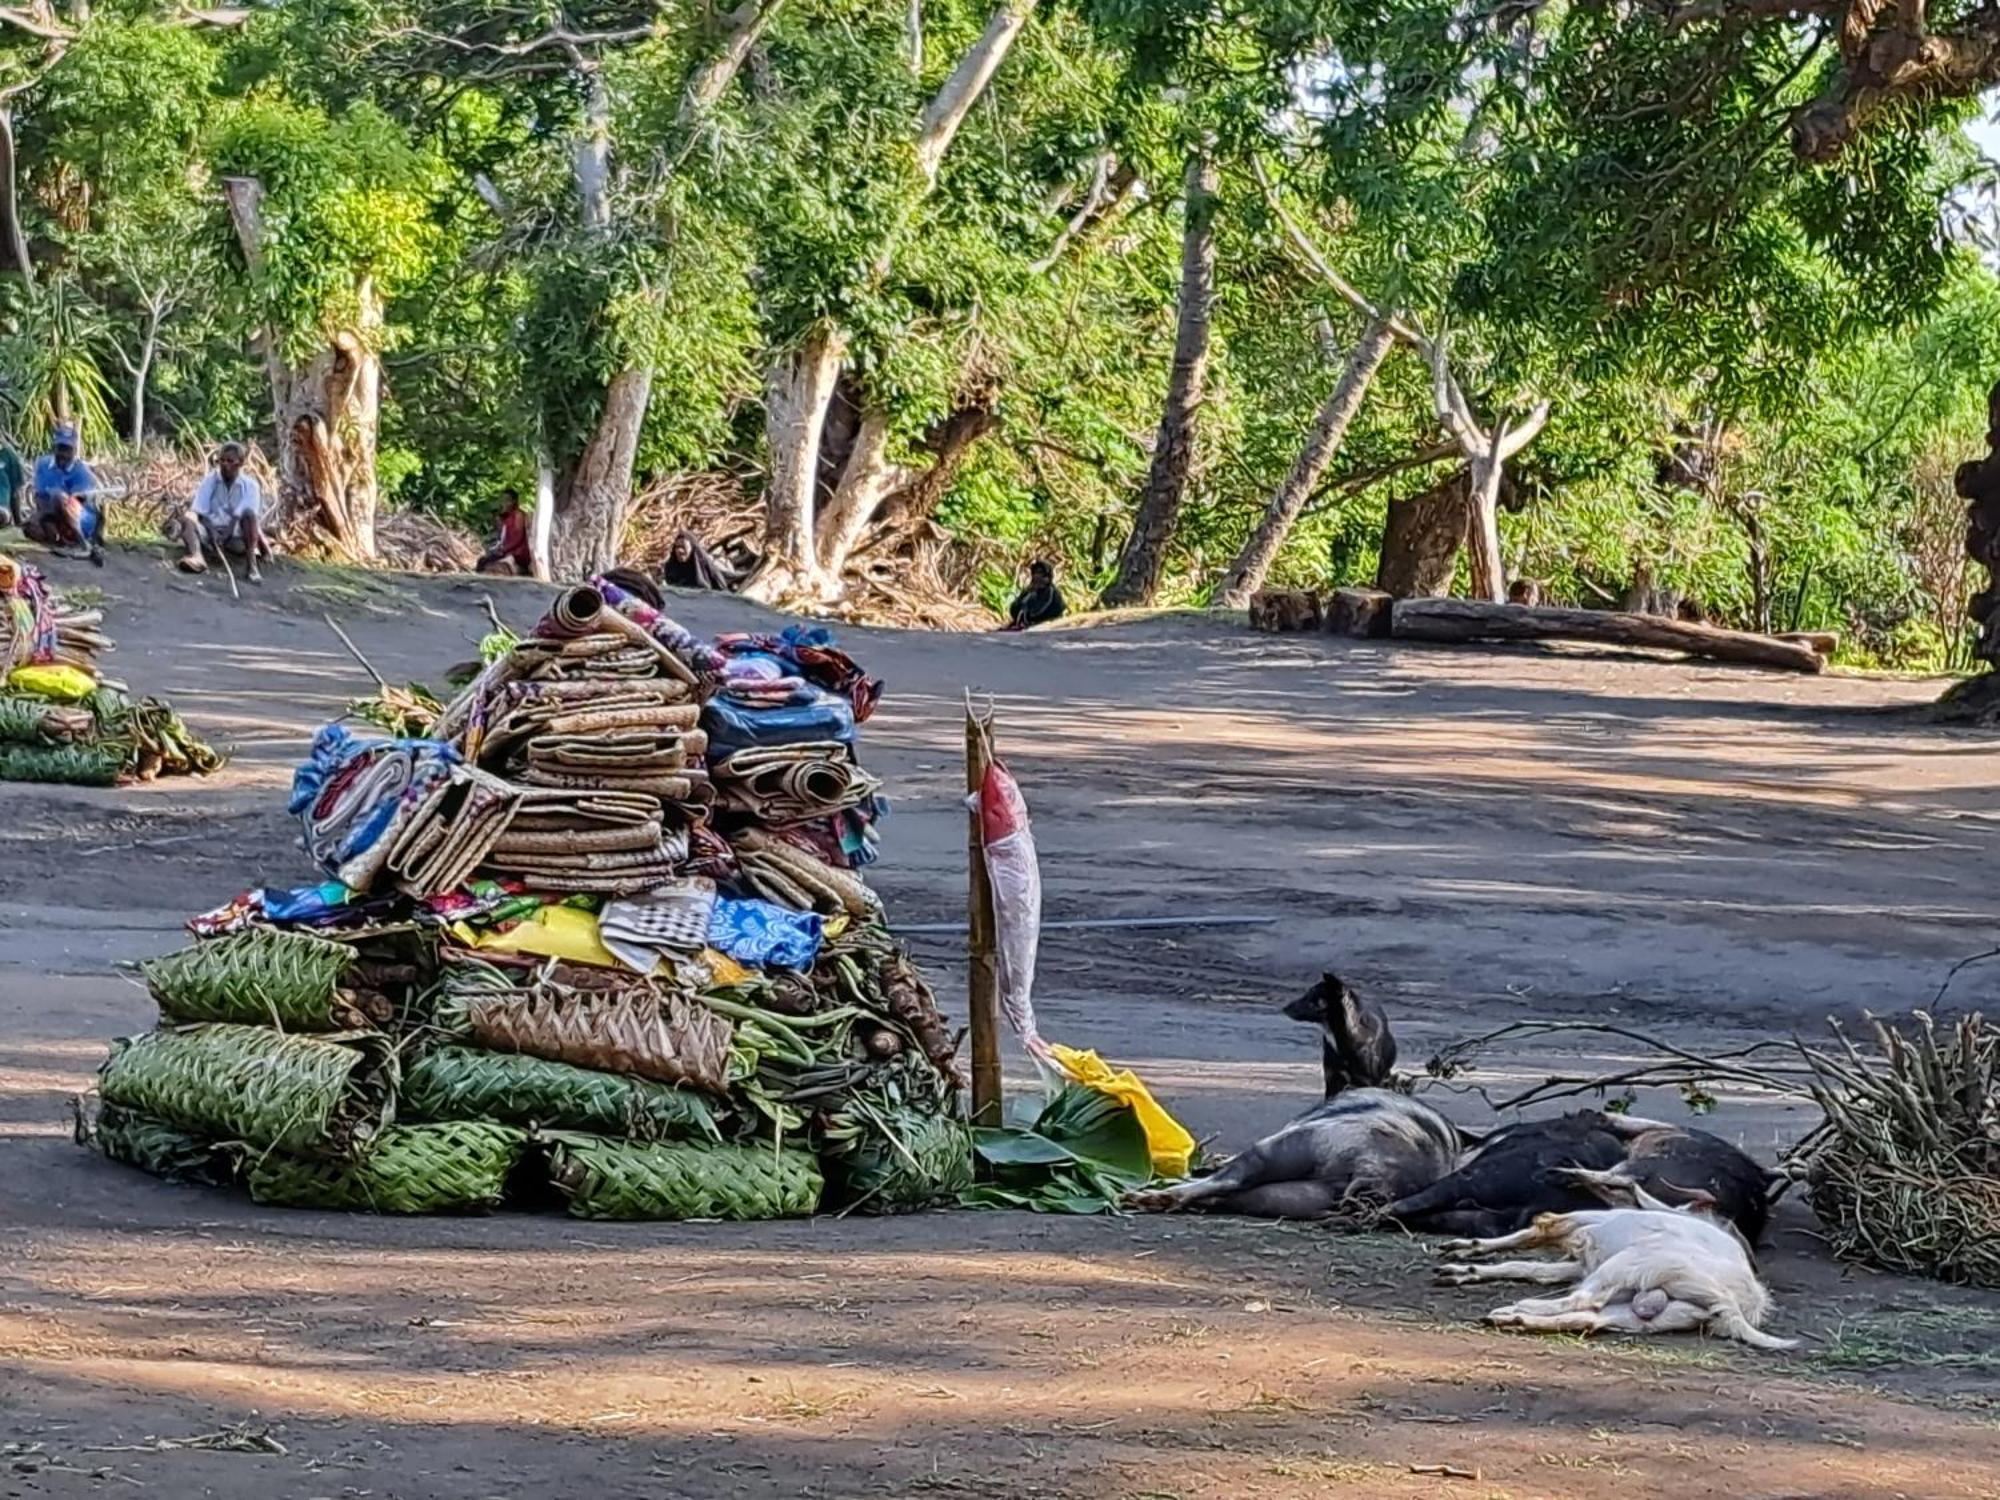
x=464 y=1083
x=607 y=1179
x=259 y=977
x=313 y=1095
x=452 y=1167
x=1084 y=1152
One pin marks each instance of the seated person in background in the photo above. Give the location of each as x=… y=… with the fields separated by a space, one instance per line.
x=1040 y=602
x=689 y=566
x=511 y=552
x=67 y=512
x=227 y=513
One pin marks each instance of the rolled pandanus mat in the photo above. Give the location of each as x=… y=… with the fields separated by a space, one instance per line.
x=313 y=1095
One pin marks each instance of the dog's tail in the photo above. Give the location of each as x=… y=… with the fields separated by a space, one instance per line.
x=1727 y=1319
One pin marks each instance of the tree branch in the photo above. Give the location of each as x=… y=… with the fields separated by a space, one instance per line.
x=955 y=98
x=1323 y=268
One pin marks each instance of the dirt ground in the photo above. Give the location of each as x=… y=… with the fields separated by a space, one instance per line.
x=1477 y=836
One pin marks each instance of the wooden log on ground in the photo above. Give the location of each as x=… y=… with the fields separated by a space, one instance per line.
x=1473 y=620
x=1825 y=642
x=1362 y=613
x=1284 y=610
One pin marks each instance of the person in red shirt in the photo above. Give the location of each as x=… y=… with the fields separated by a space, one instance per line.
x=510 y=554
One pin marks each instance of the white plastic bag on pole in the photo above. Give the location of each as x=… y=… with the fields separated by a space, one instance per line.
x=1016 y=879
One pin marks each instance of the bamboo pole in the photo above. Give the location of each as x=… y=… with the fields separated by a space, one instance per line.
x=982 y=972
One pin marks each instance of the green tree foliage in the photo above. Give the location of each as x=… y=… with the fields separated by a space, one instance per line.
x=1603 y=203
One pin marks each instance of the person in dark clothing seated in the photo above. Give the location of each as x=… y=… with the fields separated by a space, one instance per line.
x=510 y=552
x=1040 y=602
x=690 y=565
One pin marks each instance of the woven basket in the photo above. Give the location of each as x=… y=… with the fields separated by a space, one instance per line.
x=643 y=1031
x=317 y=1096
x=605 y=1179
x=156 y=1147
x=259 y=977
x=453 y=1167
x=463 y=1083
x=928 y=1162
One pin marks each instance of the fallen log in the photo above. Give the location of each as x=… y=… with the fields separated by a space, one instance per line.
x=1825 y=642
x=1472 y=620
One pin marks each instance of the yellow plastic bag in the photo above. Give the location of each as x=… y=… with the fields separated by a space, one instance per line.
x=553 y=932
x=63 y=684
x=1167 y=1139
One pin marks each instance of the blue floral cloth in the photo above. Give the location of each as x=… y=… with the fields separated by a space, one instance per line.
x=761 y=934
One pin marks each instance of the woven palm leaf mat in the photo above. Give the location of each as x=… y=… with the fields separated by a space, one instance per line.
x=154 y=1146
x=792 y=783
x=607 y=1179
x=785 y=873
x=642 y=1030
x=314 y=1095
x=451 y=1167
x=261 y=977
x=464 y=1083
x=915 y=1161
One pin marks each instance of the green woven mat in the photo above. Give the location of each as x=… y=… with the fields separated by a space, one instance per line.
x=904 y=1162
x=606 y=1179
x=464 y=1083
x=259 y=977
x=409 y=1169
x=67 y=765
x=318 y=1096
x=154 y=1146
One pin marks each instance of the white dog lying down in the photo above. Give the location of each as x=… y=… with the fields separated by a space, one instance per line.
x=1651 y=1269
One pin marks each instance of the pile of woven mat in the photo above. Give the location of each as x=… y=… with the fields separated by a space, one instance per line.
x=60 y=721
x=598 y=938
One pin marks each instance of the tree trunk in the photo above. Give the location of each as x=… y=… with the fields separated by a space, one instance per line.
x=328 y=412
x=1471 y=620
x=140 y=370
x=1482 y=525
x=592 y=500
x=1246 y=575
x=541 y=537
x=800 y=388
x=12 y=239
x=1420 y=540
x=1144 y=560
x=866 y=480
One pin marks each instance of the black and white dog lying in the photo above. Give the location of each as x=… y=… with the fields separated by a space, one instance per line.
x=1369 y=1150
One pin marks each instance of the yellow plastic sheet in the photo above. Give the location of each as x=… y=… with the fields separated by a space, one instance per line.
x=553 y=932
x=1171 y=1146
x=63 y=684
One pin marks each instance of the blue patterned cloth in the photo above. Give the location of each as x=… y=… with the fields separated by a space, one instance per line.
x=761 y=934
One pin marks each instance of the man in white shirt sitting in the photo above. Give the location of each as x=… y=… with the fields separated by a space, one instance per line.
x=225 y=513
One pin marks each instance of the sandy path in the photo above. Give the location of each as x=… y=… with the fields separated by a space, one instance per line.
x=1479 y=836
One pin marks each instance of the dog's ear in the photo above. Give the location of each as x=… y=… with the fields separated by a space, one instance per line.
x=1364 y=1037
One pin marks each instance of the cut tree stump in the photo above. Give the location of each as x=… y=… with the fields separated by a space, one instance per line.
x=1825 y=642
x=1473 y=620
x=1362 y=613
x=1284 y=610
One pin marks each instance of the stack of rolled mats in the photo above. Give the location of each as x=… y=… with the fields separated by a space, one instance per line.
x=601 y=941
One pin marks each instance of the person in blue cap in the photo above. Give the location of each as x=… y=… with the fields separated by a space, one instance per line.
x=67 y=513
